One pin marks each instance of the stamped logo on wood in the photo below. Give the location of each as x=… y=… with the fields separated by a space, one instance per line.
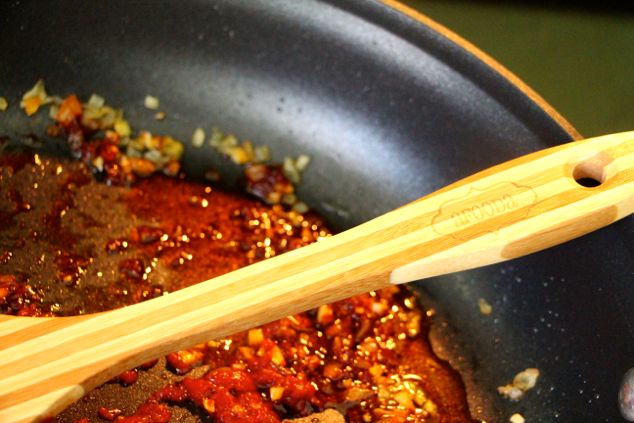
x=502 y=204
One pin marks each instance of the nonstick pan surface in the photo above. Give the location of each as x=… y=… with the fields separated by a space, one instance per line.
x=389 y=107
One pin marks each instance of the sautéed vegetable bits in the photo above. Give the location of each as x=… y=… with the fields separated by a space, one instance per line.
x=121 y=224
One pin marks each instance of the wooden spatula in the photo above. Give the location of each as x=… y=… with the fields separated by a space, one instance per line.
x=507 y=211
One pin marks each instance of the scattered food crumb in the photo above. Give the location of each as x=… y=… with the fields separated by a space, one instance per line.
x=268 y=183
x=3 y=104
x=517 y=418
x=273 y=184
x=301 y=162
x=145 y=154
x=198 y=138
x=228 y=144
x=511 y=392
x=212 y=175
x=31 y=140
x=527 y=379
x=485 y=307
x=300 y=207
x=522 y=382
x=262 y=153
x=96 y=100
x=293 y=168
x=151 y=102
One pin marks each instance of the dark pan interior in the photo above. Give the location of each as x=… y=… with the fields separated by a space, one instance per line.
x=389 y=110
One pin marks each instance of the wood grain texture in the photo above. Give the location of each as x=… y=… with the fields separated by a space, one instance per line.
x=509 y=210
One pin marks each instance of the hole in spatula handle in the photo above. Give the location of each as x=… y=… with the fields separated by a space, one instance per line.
x=592 y=172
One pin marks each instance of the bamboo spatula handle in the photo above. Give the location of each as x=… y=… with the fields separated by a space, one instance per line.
x=510 y=210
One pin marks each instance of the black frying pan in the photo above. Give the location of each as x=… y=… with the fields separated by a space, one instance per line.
x=389 y=109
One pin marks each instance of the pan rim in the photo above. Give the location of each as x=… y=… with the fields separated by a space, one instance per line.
x=489 y=61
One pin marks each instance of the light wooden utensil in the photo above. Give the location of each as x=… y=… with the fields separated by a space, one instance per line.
x=507 y=211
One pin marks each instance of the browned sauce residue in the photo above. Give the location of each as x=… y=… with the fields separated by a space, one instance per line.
x=71 y=245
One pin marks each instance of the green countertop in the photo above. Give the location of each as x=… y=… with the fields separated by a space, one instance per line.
x=581 y=61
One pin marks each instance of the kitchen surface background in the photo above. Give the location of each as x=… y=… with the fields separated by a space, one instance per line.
x=580 y=59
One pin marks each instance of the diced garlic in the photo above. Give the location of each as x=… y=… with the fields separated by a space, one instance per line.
x=276 y=392
x=52 y=111
x=526 y=379
x=142 y=167
x=420 y=398
x=262 y=153
x=332 y=371
x=517 y=418
x=404 y=399
x=215 y=140
x=290 y=170
x=430 y=407
x=377 y=370
x=485 y=307
x=300 y=207
x=98 y=163
x=247 y=352
x=238 y=155
x=209 y=405
x=356 y=394
x=172 y=148
x=302 y=162
x=277 y=357
x=255 y=337
x=230 y=140
x=198 y=138
x=511 y=392
x=122 y=127
x=151 y=102
x=34 y=98
x=324 y=314
x=96 y=101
